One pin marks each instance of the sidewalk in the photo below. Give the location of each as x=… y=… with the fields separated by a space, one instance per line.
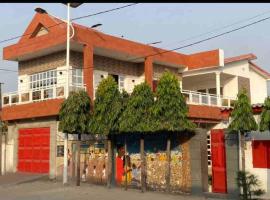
x=45 y=189
x=11 y=179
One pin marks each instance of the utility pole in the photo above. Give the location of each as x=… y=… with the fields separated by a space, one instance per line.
x=65 y=169
x=1 y=130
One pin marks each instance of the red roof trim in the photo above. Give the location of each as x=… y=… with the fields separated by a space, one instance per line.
x=260 y=69
x=249 y=56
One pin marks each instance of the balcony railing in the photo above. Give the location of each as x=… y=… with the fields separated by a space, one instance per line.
x=34 y=95
x=193 y=97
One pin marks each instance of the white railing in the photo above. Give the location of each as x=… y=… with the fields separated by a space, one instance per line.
x=23 y=97
x=34 y=95
x=199 y=98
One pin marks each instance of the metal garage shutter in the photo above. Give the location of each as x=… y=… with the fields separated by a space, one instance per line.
x=34 y=150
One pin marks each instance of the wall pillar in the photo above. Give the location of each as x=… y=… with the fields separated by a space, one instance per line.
x=198 y=162
x=148 y=71
x=232 y=164
x=88 y=69
x=218 y=87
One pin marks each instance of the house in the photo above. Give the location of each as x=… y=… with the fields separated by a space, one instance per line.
x=34 y=144
x=44 y=81
x=226 y=81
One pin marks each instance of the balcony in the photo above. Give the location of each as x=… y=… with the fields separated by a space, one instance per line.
x=199 y=98
x=36 y=95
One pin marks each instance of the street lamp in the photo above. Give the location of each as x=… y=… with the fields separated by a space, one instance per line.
x=65 y=170
x=154 y=43
x=96 y=25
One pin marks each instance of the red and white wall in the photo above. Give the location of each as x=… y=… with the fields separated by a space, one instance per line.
x=258 y=161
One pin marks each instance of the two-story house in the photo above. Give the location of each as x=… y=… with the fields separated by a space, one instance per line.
x=44 y=82
x=226 y=81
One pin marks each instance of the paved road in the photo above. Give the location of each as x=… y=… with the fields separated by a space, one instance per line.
x=45 y=189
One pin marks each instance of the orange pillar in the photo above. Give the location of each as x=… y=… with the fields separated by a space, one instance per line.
x=88 y=69
x=148 y=71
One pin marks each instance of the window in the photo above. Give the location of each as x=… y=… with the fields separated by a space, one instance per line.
x=202 y=91
x=261 y=153
x=43 y=79
x=120 y=80
x=77 y=77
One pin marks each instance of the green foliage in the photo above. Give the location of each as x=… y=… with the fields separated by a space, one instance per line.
x=265 y=116
x=249 y=183
x=3 y=127
x=170 y=109
x=107 y=108
x=242 y=116
x=137 y=117
x=75 y=113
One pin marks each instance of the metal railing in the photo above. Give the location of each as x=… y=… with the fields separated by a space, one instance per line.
x=34 y=95
x=54 y=92
x=199 y=98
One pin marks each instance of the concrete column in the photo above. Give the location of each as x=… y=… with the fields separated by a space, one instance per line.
x=198 y=162
x=148 y=71
x=88 y=69
x=218 y=87
x=232 y=164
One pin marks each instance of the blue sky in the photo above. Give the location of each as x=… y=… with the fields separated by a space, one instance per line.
x=169 y=23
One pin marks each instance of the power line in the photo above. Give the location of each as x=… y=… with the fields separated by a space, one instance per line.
x=219 y=28
x=200 y=41
x=102 y=12
x=192 y=44
x=77 y=18
x=7 y=70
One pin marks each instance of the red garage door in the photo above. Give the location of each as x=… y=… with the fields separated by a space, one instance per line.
x=33 y=150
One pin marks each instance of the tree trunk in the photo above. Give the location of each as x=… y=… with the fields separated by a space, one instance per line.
x=125 y=162
x=109 y=162
x=65 y=170
x=78 y=179
x=73 y=159
x=243 y=152
x=168 y=168
x=143 y=165
x=1 y=138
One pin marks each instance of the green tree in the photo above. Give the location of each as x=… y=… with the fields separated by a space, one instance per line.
x=137 y=115
x=265 y=116
x=74 y=117
x=170 y=112
x=136 y=118
x=242 y=121
x=107 y=110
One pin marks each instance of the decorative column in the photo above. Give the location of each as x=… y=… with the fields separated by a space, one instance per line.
x=88 y=69
x=148 y=71
x=218 y=88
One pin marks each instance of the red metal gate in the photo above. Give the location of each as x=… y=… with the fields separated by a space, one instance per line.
x=219 y=178
x=33 y=150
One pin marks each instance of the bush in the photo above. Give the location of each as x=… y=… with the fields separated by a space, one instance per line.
x=249 y=185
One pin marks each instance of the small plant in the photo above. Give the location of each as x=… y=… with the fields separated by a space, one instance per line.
x=210 y=179
x=249 y=185
x=3 y=127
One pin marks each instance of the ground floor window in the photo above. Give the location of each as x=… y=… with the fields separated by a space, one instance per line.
x=261 y=153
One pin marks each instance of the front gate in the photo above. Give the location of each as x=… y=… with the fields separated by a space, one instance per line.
x=219 y=176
